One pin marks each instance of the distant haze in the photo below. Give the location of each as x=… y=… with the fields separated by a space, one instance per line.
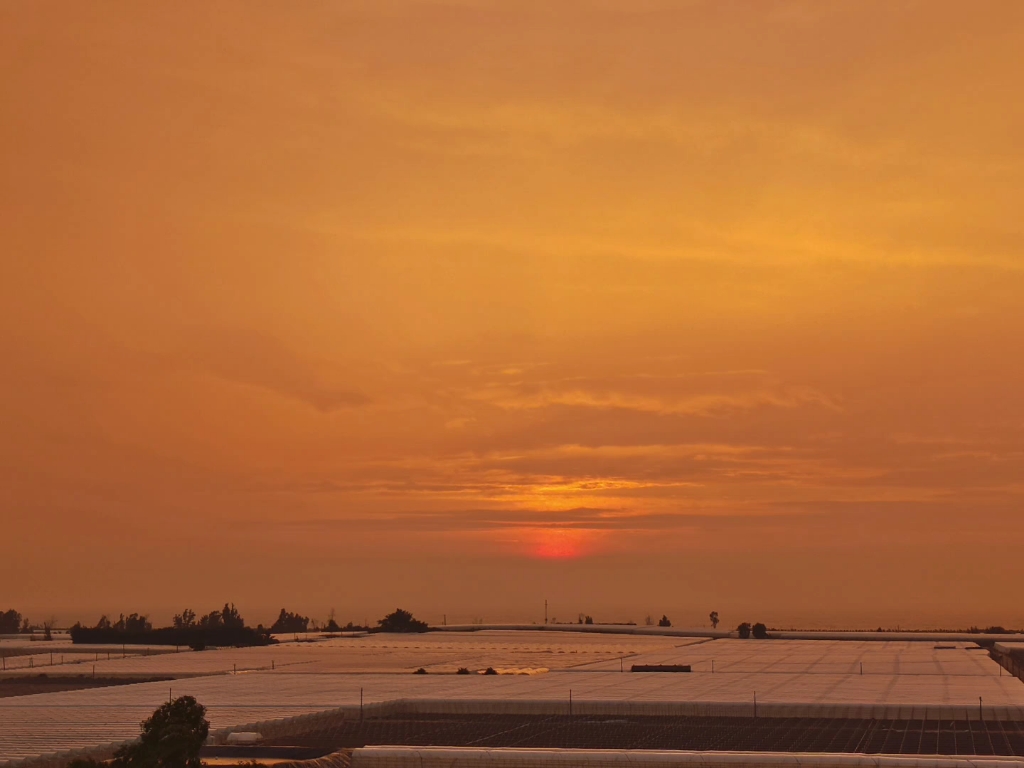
x=638 y=307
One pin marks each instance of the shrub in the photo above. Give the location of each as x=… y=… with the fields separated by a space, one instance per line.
x=462 y=671
x=760 y=631
x=420 y=671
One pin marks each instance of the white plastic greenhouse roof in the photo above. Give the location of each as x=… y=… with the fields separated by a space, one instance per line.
x=447 y=652
x=469 y=757
x=789 y=678
x=368 y=653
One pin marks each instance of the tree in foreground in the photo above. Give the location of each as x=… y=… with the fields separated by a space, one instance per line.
x=401 y=621
x=171 y=738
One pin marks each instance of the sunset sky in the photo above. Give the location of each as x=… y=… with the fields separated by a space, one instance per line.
x=638 y=306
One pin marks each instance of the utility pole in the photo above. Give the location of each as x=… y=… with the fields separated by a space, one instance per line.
x=545 y=611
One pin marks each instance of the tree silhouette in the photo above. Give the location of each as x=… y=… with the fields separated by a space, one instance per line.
x=332 y=625
x=10 y=622
x=714 y=619
x=744 y=630
x=401 y=621
x=231 y=618
x=664 y=622
x=760 y=631
x=290 y=622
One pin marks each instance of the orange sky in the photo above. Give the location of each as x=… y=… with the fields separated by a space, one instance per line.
x=644 y=306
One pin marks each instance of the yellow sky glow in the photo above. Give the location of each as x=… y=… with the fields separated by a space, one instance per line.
x=636 y=306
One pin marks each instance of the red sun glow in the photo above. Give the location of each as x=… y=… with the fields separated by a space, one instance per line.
x=559 y=544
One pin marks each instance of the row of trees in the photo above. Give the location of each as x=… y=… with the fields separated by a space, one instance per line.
x=13 y=623
x=226 y=618
x=664 y=621
x=225 y=627
x=294 y=622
